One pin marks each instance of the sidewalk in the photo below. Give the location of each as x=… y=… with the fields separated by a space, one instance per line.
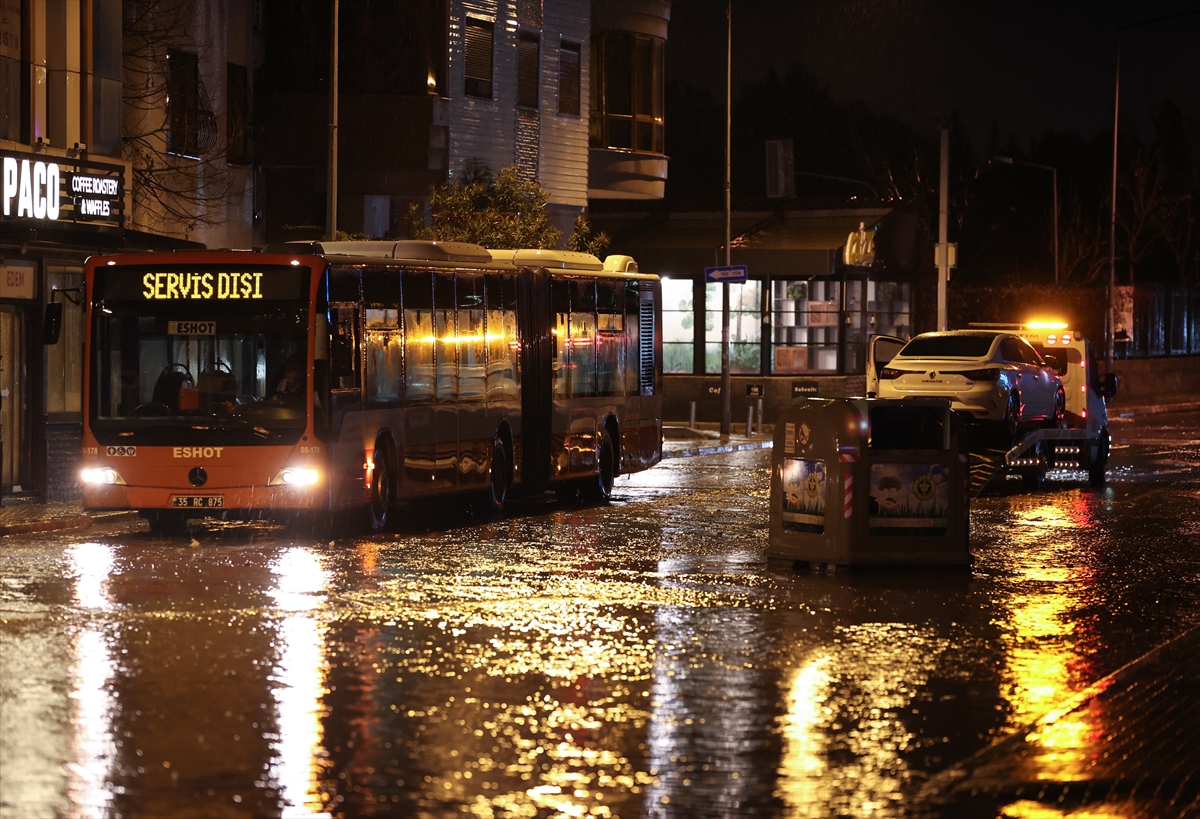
x=1126 y=746
x=1169 y=403
x=23 y=514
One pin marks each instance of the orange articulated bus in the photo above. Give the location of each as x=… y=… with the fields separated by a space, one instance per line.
x=358 y=376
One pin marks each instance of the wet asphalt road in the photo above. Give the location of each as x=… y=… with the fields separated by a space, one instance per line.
x=634 y=660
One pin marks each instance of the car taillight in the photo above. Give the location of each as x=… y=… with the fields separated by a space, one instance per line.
x=990 y=374
x=888 y=374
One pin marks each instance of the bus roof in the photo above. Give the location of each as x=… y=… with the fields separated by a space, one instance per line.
x=413 y=249
x=420 y=250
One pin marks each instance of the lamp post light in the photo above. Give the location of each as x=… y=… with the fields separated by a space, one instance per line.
x=1008 y=160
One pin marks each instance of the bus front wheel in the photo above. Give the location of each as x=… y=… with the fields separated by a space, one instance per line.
x=166 y=523
x=383 y=493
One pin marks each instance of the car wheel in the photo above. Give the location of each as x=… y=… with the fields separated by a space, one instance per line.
x=1097 y=471
x=1010 y=425
x=383 y=493
x=1059 y=421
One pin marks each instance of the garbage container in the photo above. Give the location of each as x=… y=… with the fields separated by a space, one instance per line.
x=870 y=482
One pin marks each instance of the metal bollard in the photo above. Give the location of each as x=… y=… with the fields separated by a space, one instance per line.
x=692 y=423
x=760 y=429
x=749 y=421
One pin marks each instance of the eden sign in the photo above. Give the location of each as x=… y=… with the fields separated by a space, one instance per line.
x=31 y=188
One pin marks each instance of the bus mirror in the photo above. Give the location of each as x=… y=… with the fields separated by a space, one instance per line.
x=52 y=324
x=1109 y=385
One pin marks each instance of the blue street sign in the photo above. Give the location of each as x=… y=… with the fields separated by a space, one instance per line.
x=734 y=274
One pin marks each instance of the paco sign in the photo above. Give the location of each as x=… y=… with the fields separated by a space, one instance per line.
x=35 y=188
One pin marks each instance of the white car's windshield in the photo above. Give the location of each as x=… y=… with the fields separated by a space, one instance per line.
x=947 y=347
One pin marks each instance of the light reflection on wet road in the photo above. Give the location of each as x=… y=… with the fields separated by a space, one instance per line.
x=636 y=660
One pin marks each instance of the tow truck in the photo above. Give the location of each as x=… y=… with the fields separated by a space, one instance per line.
x=1082 y=442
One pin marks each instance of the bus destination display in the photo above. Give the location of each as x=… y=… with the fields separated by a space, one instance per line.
x=200 y=284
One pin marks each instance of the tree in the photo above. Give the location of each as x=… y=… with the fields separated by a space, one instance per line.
x=500 y=212
x=497 y=211
x=585 y=240
x=179 y=170
x=1137 y=214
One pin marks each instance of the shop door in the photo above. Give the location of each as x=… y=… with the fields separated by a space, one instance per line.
x=12 y=398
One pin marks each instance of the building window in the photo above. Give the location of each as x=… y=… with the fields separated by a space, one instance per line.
x=528 y=47
x=191 y=125
x=479 y=36
x=679 y=326
x=627 y=92
x=106 y=80
x=568 y=78
x=11 y=30
x=237 y=122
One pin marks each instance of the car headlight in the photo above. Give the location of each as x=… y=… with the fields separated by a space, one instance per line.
x=101 y=476
x=295 y=476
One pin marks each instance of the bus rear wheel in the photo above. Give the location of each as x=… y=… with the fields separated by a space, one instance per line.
x=599 y=487
x=383 y=493
x=498 y=479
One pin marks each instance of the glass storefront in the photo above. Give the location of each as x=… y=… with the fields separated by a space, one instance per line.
x=816 y=326
x=745 y=327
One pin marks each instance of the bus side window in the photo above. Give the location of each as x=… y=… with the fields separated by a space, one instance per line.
x=419 y=340
x=582 y=360
x=345 y=352
x=633 y=306
x=560 y=302
x=501 y=338
x=472 y=345
x=446 y=331
x=381 y=304
x=610 y=330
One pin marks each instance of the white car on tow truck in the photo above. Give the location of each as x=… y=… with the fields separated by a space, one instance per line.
x=1073 y=434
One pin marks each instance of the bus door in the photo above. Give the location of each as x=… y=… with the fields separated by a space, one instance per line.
x=345 y=384
x=445 y=414
x=476 y=422
x=534 y=319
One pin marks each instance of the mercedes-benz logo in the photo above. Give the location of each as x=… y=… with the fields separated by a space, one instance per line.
x=198 y=476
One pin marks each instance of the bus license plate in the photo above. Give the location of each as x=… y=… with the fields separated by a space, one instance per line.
x=198 y=501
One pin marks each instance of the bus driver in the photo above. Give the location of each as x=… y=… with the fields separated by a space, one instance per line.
x=291 y=386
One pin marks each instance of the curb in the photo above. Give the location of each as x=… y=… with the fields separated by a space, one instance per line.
x=716 y=448
x=63 y=524
x=954 y=780
x=1125 y=413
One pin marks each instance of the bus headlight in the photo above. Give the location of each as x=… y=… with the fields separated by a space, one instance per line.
x=296 y=476
x=102 y=475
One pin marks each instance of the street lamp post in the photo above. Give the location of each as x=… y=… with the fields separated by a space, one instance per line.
x=1008 y=160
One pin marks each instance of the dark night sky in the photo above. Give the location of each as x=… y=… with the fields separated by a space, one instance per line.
x=1028 y=66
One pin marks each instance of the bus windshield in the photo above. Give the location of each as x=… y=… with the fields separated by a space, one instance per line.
x=198 y=370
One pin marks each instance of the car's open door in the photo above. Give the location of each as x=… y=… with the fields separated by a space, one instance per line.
x=880 y=351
